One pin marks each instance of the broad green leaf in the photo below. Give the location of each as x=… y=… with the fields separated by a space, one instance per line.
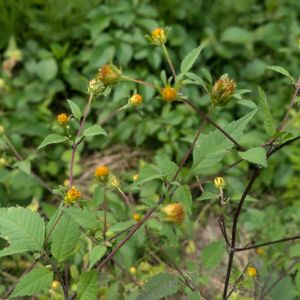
x=120 y=226
x=255 y=155
x=195 y=79
x=96 y=254
x=207 y=196
x=64 y=238
x=34 y=282
x=23 y=229
x=76 y=112
x=190 y=58
x=167 y=167
x=88 y=286
x=193 y=295
x=52 y=138
x=282 y=71
x=237 y=35
x=148 y=173
x=24 y=166
x=94 y=130
x=83 y=217
x=268 y=120
x=47 y=69
x=184 y=196
x=211 y=148
x=159 y=286
x=212 y=255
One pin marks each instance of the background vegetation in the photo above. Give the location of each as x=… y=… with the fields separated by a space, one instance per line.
x=49 y=52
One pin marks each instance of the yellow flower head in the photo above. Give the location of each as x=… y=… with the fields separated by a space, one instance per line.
x=158 y=36
x=219 y=182
x=55 y=284
x=109 y=74
x=136 y=217
x=73 y=195
x=135 y=177
x=135 y=99
x=102 y=172
x=95 y=86
x=132 y=270
x=169 y=94
x=252 y=272
x=114 y=181
x=62 y=119
x=175 y=212
x=223 y=90
x=260 y=251
x=3 y=162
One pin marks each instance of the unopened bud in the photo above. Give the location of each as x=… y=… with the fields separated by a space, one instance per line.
x=222 y=91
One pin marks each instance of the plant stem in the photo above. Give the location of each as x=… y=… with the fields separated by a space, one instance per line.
x=169 y=60
x=145 y=83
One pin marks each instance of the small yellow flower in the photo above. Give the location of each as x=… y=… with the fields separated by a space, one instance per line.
x=219 y=182
x=175 y=212
x=135 y=177
x=158 y=36
x=222 y=90
x=55 y=284
x=2 y=130
x=252 y=272
x=109 y=74
x=114 y=181
x=3 y=162
x=102 y=172
x=260 y=251
x=73 y=195
x=132 y=270
x=136 y=217
x=66 y=182
x=169 y=94
x=62 y=119
x=135 y=99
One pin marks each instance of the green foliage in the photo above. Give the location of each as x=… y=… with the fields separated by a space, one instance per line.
x=255 y=155
x=94 y=130
x=23 y=229
x=34 y=282
x=88 y=284
x=52 y=139
x=65 y=237
x=159 y=286
x=212 y=255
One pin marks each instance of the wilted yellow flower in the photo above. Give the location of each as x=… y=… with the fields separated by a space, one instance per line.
x=62 y=119
x=135 y=177
x=222 y=90
x=158 y=36
x=169 y=94
x=73 y=195
x=252 y=272
x=109 y=74
x=102 y=172
x=132 y=270
x=136 y=217
x=95 y=86
x=55 y=284
x=219 y=182
x=135 y=99
x=175 y=212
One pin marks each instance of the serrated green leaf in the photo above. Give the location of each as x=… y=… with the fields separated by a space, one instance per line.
x=76 y=111
x=24 y=166
x=282 y=71
x=147 y=174
x=197 y=80
x=255 y=155
x=88 y=286
x=94 y=130
x=167 y=167
x=64 y=238
x=159 y=286
x=52 y=139
x=212 y=255
x=207 y=196
x=268 y=120
x=190 y=58
x=83 y=217
x=211 y=148
x=34 y=282
x=23 y=229
x=184 y=196
x=96 y=254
